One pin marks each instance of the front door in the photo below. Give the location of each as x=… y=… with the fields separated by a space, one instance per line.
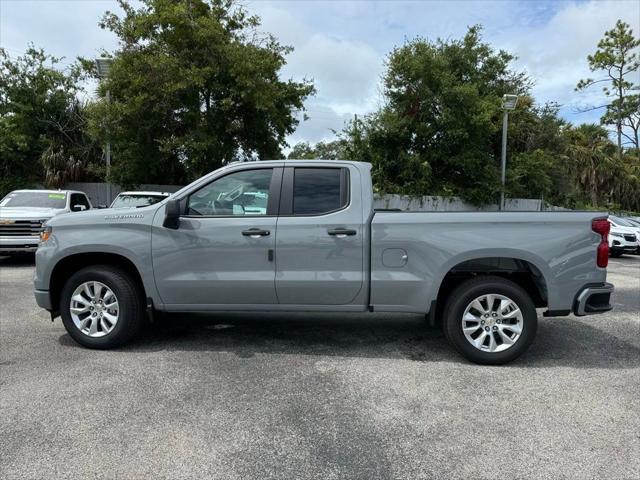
x=222 y=253
x=319 y=246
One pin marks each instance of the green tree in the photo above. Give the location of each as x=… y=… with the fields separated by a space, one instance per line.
x=193 y=85
x=592 y=161
x=39 y=112
x=617 y=58
x=333 y=150
x=439 y=127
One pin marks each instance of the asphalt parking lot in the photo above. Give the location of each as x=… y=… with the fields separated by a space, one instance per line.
x=243 y=396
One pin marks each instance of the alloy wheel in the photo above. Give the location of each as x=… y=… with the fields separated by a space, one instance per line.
x=492 y=322
x=94 y=309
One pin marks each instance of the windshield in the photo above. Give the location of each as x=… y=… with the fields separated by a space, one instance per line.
x=35 y=199
x=621 y=221
x=129 y=200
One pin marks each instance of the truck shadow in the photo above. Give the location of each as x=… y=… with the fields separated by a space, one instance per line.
x=561 y=342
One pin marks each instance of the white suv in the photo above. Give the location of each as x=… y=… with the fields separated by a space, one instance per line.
x=623 y=238
x=623 y=225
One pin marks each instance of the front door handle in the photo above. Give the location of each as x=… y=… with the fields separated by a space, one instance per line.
x=256 y=233
x=341 y=232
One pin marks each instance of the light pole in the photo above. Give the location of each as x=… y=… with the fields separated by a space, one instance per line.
x=103 y=65
x=508 y=103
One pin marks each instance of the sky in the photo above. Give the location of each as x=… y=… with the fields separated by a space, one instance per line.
x=342 y=45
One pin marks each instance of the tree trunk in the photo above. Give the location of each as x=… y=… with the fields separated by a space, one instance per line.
x=619 y=122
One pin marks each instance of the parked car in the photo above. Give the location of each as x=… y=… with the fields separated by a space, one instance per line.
x=137 y=199
x=319 y=245
x=624 y=236
x=23 y=212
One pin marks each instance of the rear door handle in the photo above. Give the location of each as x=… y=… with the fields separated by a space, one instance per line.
x=341 y=232
x=256 y=233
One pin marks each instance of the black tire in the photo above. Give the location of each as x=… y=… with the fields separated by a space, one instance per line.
x=130 y=301
x=615 y=253
x=464 y=294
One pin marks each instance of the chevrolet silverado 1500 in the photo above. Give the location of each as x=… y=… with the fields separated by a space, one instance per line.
x=304 y=236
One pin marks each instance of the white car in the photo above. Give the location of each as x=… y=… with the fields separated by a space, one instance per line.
x=622 y=240
x=137 y=199
x=23 y=212
x=623 y=226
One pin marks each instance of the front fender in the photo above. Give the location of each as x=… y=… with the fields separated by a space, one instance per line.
x=131 y=241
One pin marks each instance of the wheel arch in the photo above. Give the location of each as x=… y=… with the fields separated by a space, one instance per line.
x=526 y=273
x=70 y=264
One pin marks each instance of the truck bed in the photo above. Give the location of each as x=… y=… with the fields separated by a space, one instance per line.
x=559 y=247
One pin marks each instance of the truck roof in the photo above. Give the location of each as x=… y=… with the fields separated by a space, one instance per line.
x=35 y=190
x=297 y=160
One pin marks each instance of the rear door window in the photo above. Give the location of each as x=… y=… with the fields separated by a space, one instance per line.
x=318 y=191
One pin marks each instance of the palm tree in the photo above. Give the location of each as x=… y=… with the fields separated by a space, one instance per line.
x=592 y=161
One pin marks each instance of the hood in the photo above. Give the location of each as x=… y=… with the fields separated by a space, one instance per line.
x=106 y=216
x=28 y=213
x=623 y=230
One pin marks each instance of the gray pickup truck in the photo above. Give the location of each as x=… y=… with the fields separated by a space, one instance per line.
x=304 y=236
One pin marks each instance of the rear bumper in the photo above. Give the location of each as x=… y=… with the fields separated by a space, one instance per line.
x=43 y=299
x=593 y=299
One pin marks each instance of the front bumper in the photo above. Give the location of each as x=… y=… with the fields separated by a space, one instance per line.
x=19 y=244
x=593 y=299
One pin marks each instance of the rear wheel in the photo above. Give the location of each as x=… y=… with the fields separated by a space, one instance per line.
x=490 y=320
x=101 y=307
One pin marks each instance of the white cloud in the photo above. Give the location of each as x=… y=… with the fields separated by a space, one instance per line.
x=64 y=28
x=555 y=54
x=342 y=45
x=344 y=71
x=320 y=126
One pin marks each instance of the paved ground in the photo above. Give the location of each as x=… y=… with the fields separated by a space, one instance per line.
x=318 y=396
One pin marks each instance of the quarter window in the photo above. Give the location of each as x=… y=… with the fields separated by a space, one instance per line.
x=319 y=190
x=240 y=193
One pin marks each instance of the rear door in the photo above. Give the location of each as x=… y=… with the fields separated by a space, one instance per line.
x=319 y=244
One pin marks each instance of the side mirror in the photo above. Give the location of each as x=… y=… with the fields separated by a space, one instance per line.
x=172 y=212
x=102 y=205
x=78 y=208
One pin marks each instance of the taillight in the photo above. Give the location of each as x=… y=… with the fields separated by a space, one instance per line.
x=602 y=226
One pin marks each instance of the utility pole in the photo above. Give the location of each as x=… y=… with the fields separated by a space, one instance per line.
x=108 y=154
x=508 y=103
x=103 y=65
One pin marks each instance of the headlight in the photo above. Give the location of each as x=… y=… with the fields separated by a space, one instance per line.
x=45 y=233
x=616 y=234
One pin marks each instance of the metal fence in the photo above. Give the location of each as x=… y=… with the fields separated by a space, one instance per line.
x=97 y=193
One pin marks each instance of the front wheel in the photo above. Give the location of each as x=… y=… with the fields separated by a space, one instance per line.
x=490 y=320
x=615 y=253
x=101 y=307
